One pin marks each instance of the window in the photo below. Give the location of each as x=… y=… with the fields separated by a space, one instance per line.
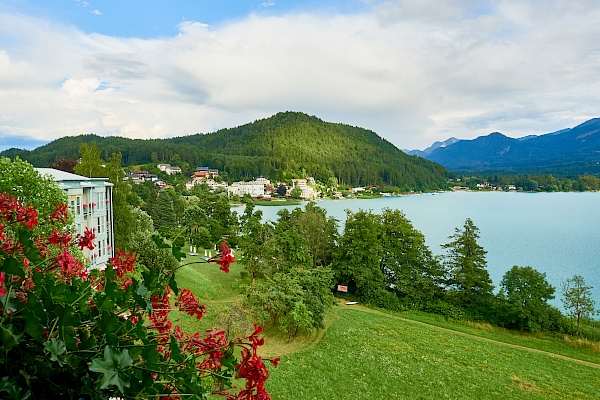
x=100 y=225
x=77 y=205
x=101 y=200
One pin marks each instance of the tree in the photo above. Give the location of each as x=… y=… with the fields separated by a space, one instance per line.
x=358 y=255
x=255 y=240
x=64 y=164
x=526 y=293
x=19 y=179
x=123 y=198
x=407 y=263
x=469 y=283
x=91 y=163
x=577 y=299
x=163 y=213
x=296 y=192
x=293 y=300
x=319 y=232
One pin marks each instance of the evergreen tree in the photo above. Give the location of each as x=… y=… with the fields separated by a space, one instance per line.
x=163 y=213
x=469 y=282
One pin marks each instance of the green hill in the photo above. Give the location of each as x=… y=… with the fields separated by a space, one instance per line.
x=283 y=146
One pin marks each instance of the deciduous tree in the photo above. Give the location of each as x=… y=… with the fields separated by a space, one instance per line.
x=526 y=292
x=577 y=299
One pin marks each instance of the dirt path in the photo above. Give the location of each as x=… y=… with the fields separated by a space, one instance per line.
x=515 y=346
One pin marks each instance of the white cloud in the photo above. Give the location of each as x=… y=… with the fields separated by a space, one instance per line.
x=96 y=12
x=411 y=74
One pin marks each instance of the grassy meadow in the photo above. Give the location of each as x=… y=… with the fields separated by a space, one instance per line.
x=369 y=354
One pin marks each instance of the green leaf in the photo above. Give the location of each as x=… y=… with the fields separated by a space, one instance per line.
x=33 y=326
x=57 y=350
x=142 y=297
x=12 y=266
x=113 y=368
x=177 y=253
x=173 y=285
x=159 y=241
x=9 y=337
x=175 y=350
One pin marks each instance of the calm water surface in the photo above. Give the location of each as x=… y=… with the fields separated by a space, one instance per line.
x=555 y=233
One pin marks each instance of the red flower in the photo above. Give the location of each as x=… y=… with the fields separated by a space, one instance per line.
x=123 y=263
x=188 y=303
x=61 y=214
x=86 y=240
x=226 y=258
x=2 y=288
x=62 y=239
x=275 y=361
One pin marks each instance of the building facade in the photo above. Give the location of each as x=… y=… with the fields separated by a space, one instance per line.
x=90 y=199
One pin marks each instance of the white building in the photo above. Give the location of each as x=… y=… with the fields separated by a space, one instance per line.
x=169 y=169
x=90 y=199
x=253 y=188
x=308 y=193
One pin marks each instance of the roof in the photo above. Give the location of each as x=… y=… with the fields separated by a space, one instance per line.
x=62 y=176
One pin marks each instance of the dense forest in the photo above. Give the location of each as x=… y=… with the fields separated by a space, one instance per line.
x=281 y=147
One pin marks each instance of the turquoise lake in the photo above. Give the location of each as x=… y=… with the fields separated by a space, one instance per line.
x=555 y=233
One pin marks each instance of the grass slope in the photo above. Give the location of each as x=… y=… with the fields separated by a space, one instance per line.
x=368 y=354
x=375 y=356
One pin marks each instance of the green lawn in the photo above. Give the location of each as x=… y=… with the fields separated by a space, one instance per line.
x=368 y=354
x=365 y=355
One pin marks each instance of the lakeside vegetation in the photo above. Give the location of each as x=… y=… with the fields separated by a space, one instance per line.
x=406 y=354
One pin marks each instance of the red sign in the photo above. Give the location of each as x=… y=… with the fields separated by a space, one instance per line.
x=342 y=288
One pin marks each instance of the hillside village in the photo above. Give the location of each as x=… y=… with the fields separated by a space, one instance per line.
x=258 y=188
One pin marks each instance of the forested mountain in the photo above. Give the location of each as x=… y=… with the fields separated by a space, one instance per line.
x=574 y=151
x=286 y=145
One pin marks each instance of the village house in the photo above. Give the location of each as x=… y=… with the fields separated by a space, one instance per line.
x=308 y=193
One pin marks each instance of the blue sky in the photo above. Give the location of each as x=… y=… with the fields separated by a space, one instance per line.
x=414 y=71
x=156 y=18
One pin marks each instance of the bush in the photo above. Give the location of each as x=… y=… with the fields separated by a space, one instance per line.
x=384 y=299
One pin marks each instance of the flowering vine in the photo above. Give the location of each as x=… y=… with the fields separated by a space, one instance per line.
x=70 y=332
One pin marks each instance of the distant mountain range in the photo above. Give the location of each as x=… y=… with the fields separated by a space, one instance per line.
x=574 y=151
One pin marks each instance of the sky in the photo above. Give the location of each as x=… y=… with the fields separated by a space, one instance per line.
x=413 y=71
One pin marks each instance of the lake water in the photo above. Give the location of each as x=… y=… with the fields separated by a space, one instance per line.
x=555 y=233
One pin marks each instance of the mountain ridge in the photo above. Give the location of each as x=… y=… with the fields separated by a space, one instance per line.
x=286 y=145
x=571 y=151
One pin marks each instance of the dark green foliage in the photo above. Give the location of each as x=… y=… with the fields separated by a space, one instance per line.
x=318 y=230
x=358 y=258
x=284 y=146
x=469 y=283
x=384 y=253
x=407 y=263
x=525 y=293
x=163 y=213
